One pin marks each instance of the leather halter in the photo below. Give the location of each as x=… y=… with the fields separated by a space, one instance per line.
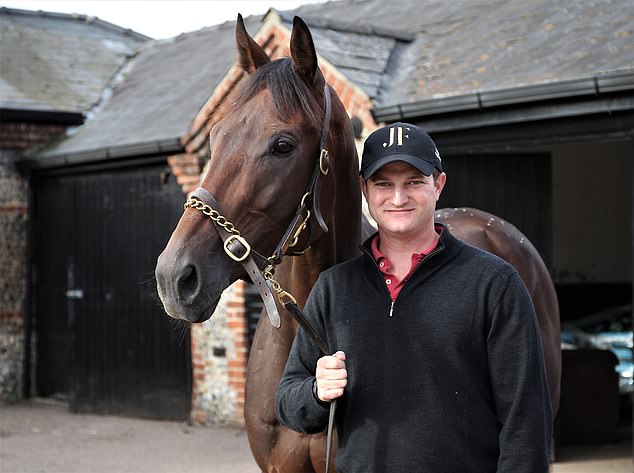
x=239 y=250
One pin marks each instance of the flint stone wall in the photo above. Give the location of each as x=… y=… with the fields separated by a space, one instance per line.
x=13 y=223
x=15 y=137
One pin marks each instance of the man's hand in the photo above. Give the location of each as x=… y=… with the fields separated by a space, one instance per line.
x=331 y=376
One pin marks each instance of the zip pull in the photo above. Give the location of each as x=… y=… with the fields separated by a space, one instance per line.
x=391 y=308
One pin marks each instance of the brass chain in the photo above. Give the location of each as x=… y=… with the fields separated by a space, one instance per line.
x=282 y=295
x=268 y=275
x=213 y=215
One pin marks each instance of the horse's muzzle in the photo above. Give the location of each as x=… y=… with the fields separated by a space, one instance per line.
x=183 y=290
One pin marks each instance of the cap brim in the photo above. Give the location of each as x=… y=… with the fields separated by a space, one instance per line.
x=423 y=166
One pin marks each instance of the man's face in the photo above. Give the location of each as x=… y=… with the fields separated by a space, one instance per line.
x=402 y=200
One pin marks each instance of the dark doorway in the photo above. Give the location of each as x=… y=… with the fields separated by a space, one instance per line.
x=103 y=340
x=516 y=188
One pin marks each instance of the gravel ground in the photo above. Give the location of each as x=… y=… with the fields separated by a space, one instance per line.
x=42 y=436
x=608 y=458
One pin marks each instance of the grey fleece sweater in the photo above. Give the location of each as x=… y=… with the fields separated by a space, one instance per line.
x=453 y=381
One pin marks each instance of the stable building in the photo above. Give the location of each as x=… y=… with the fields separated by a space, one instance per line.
x=531 y=105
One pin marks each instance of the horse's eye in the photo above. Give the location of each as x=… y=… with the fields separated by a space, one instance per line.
x=282 y=146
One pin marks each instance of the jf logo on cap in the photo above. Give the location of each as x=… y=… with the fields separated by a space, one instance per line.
x=399 y=142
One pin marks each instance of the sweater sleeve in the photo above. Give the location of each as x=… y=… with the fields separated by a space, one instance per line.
x=295 y=405
x=518 y=378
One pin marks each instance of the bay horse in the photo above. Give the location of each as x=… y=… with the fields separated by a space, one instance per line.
x=265 y=153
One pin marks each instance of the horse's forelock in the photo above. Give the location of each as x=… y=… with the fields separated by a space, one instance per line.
x=290 y=93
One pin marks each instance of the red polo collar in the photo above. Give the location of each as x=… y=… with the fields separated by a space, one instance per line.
x=394 y=286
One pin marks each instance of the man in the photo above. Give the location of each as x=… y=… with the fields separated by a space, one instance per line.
x=437 y=365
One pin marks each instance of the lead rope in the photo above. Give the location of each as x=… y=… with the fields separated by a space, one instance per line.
x=291 y=306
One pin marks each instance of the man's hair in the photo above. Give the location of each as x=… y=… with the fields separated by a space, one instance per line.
x=435 y=173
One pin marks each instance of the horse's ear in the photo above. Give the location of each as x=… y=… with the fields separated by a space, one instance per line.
x=303 y=51
x=250 y=54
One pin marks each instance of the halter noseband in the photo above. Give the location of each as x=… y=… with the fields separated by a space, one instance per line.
x=239 y=250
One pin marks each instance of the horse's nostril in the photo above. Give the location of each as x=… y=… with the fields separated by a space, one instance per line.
x=188 y=283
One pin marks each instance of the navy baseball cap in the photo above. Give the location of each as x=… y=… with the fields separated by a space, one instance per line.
x=399 y=142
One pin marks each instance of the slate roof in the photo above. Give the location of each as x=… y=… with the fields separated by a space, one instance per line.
x=58 y=62
x=400 y=54
x=161 y=91
x=463 y=46
x=166 y=84
x=360 y=52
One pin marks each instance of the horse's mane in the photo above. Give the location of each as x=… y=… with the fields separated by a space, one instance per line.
x=290 y=93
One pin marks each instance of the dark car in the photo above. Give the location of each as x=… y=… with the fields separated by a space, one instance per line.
x=610 y=329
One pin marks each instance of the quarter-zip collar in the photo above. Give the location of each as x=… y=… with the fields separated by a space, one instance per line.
x=447 y=248
x=394 y=286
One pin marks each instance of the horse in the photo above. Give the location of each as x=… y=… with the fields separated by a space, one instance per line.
x=262 y=155
x=265 y=154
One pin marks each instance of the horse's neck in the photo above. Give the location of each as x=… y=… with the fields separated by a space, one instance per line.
x=299 y=273
x=341 y=241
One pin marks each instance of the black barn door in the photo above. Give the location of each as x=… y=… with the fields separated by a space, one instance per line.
x=516 y=188
x=103 y=340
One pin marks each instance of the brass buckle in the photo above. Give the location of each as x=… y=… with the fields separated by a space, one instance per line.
x=323 y=161
x=240 y=240
x=299 y=231
x=285 y=297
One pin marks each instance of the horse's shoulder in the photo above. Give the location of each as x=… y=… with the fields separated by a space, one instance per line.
x=484 y=261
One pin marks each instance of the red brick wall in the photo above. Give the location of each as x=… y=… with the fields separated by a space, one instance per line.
x=237 y=362
x=21 y=136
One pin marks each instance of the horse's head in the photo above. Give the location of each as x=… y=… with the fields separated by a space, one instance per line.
x=263 y=154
